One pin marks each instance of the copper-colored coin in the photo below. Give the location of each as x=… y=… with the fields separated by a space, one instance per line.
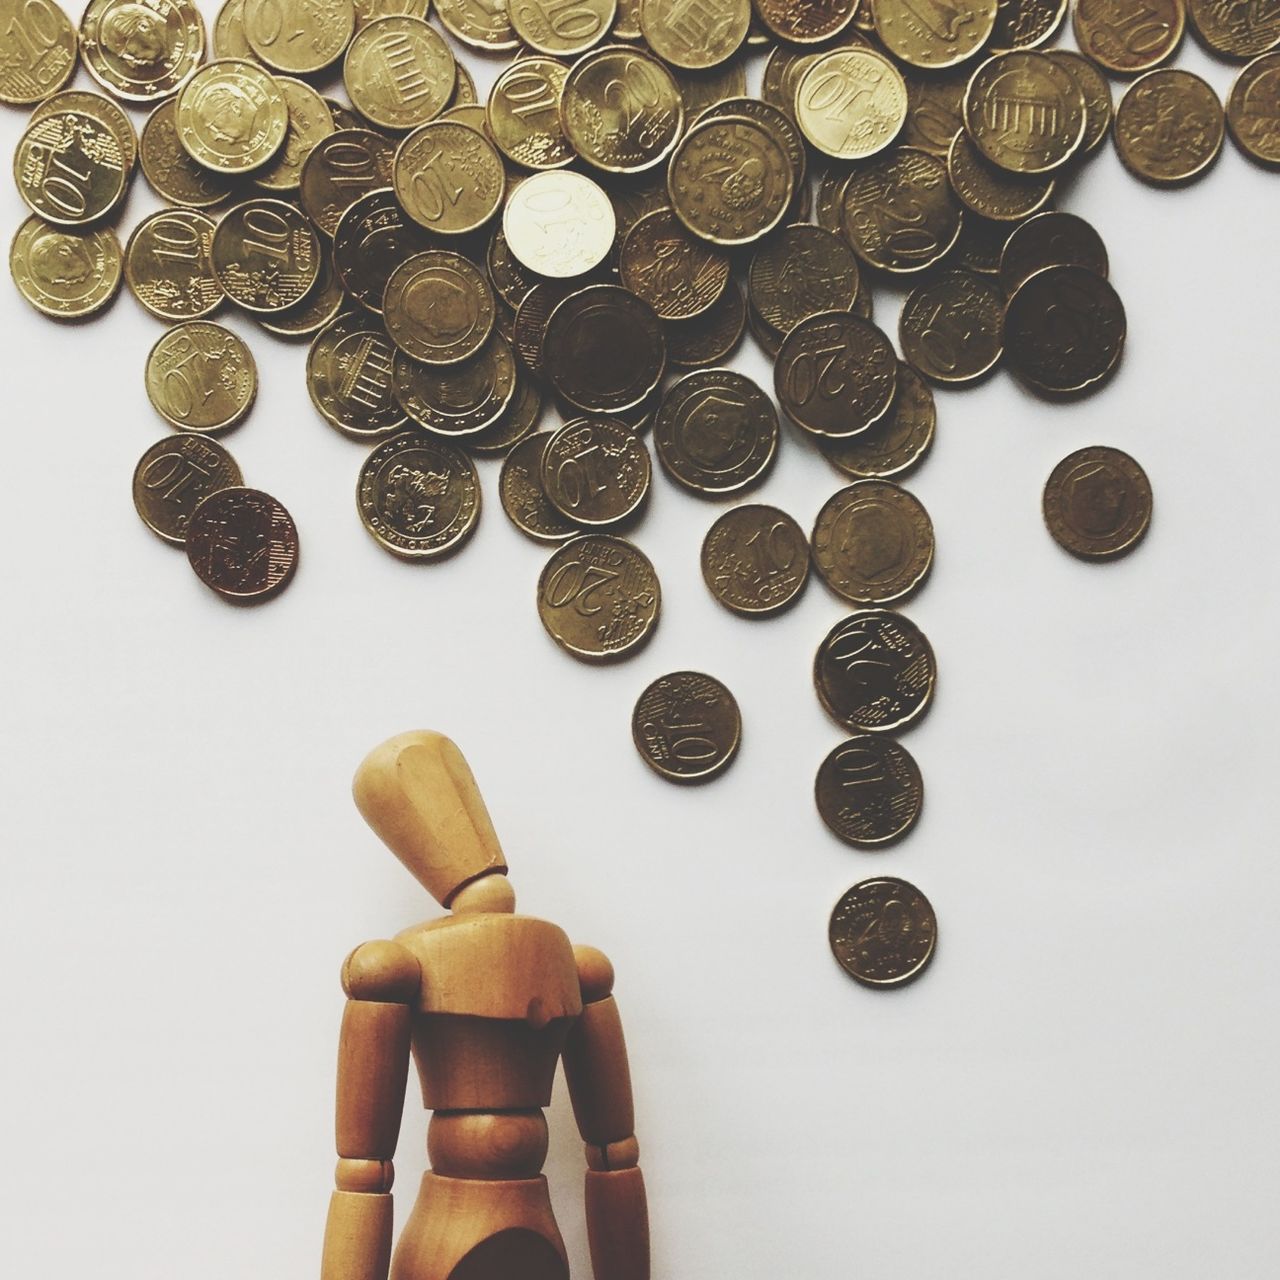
x=482 y=24
x=710 y=338
x=299 y=37
x=168 y=264
x=1235 y=30
x=399 y=73
x=604 y=349
x=869 y=791
x=598 y=597
x=621 y=109
x=1169 y=127
x=174 y=476
x=70 y=168
x=694 y=34
x=201 y=377
x=438 y=307
x=989 y=191
x=523 y=497
x=266 y=255
x=875 y=672
x=802 y=270
x=1096 y=89
x=1025 y=24
x=310 y=121
x=1097 y=503
x=1253 y=110
x=836 y=374
x=951 y=330
x=418 y=497
x=141 y=52
x=755 y=560
x=873 y=543
x=448 y=178
x=349 y=370
x=66 y=273
x=319 y=308
x=782 y=71
x=1064 y=330
x=1025 y=112
x=372 y=238
x=883 y=932
x=897 y=442
x=716 y=433
x=242 y=544
x=677 y=274
x=899 y=213
x=687 y=727
x=1128 y=36
x=523 y=113
x=806 y=21
x=595 y=472
x=559 y=225
x=340 y=169
x=232 y=116
x=829 y=205
x=1050 y=239
x=954 y=31
x=851 y=103
x=458 y=399
x=562 y=28
x=169 y=168
x=935 y=111
x=40 y=50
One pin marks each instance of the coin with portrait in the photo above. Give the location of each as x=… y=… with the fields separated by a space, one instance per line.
x=66 y=273
x=1097 y=503
x=141 y=52
x=883 y=932
x=232 y=116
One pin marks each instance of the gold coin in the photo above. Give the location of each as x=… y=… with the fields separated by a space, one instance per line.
x=935 y=111
x=979 y=245
x=695 y=34
x=678 y=275
x=510 y=278
x=875 y=672
x=1025 y=112
x=65 y=273
x=516 y=422
x=626 y=26
x=755 y=560
x=464 y=90
x=169 y=168
x=1234 y=30
x=621 y=109
x=174 y=476
x=458 y=399
x=801 y=270
x=869 y=791
x=349 y=371
x=873 y=543
x=448 y=178
x=201 y=377
x=40 y=50
x=70 y=168
x=1097 y=503
x=595 y=472
x=320 y=307
x=829 y=206
x=141 y=52
x=232 y=116
x=730 y=181
x=372 y=238
x=100 y=108
x=523 y=497
x=482 y=24
x=344 y=117
x=835 y=374
x=954 y=31
x=897 y=442
x=777 y=122
x=1025 y=24
x=266 y=255
x=702 y=90
x=310 y=121
x=632 y=198
x=1050 y=239
x=991 y=192
x=1096 y=89
x=368 y=11
x=907 y=188
x=687 y=727
x=438 y=307
x=1169 y=127
x=229 y=39
x=1127 y=36
x=340 y=169
x=243 y=545
x=598 y=598
x=399 y=73
x=806 y=21
x=716 y=433
x=1253 y=110
x=418 y=497
x=710 y=338
x=299 y=37
x=851 y=103
x=531 y=323
x=604 y=350
x=562 y=28
x=523 y=114
x=883 y=932
x=559 y=225
x=168 y=264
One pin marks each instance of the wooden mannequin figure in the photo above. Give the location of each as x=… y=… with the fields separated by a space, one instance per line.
x=486 y=1002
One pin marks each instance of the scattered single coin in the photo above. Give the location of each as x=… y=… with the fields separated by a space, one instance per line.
x=951 y=329
x=242 y=544
x=755 y=560
x=897 y=442
x=1097 y=503
x=1169 y=127
x=869 y=791
x=687 y=727
x=65 y=272
x=883 y=932
x=266 y=255
x=201 y=377
x=595 y=472
x=174 y=476
x=168 y=264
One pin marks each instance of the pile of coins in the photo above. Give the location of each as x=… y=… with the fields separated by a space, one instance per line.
x=596 y=239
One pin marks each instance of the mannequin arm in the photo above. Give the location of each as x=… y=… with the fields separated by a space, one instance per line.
x=595 y=1064
x=381 y=980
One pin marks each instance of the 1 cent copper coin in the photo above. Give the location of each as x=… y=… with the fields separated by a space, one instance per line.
x=242 y=544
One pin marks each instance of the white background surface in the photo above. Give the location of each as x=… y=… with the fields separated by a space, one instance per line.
x=1084 y=1082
